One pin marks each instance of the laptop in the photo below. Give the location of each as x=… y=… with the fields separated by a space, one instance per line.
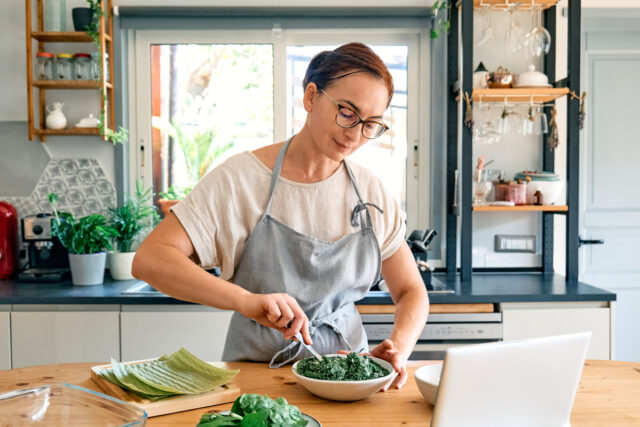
x=530 y=382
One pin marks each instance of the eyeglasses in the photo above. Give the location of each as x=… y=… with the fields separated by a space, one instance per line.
x=347 y=118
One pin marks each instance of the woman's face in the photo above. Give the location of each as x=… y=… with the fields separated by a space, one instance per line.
x=364 y=94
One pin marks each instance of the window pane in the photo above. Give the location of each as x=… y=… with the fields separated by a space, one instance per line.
x=209 y=102
x=385 y=156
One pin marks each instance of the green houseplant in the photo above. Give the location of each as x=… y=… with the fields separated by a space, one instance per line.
x=86 y=239
x=199 y=150
x=130 y=221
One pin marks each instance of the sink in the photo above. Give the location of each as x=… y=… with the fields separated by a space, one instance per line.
x=142 y=288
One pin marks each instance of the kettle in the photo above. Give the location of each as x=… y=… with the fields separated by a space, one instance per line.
x=8 y=240
x=55 y=118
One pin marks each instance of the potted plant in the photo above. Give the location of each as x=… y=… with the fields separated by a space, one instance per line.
x=86 y=239
x=130 y=220
x=199 y=150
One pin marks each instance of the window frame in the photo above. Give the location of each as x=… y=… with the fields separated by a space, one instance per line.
x=418 y=179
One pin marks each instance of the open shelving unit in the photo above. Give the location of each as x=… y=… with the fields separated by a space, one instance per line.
x=462 y=211
x=39 y=88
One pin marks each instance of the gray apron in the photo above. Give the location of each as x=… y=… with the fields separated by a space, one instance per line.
x=325 y=278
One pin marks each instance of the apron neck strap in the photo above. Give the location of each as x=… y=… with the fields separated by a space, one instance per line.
x=357 y=213
x=275 y=174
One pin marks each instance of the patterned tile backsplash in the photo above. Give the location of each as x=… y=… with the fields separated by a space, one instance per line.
x=82 y=188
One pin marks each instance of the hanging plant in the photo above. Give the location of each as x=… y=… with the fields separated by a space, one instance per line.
x=121 y=135
x=440 y=18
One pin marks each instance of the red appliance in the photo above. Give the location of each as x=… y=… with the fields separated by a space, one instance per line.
x=8 y=240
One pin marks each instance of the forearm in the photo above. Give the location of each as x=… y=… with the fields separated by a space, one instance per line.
x=412 y=309
x=168 y=270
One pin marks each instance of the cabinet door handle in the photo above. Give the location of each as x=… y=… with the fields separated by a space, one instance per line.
x=590 y=241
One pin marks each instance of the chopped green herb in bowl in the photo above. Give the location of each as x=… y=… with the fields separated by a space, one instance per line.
x=343 y=377
x=354 y=367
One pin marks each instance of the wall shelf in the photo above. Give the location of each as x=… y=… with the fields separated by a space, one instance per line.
x=72 y=131
x=61 y=36
x=460 y=150
x=35 y=35
x=520 y=95
x=525 y=208
x=524 y=4
x=68 y=84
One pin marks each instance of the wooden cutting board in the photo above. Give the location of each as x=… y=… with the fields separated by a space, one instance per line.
x=224 y=394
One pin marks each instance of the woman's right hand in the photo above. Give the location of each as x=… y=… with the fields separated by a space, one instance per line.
x=277 y=311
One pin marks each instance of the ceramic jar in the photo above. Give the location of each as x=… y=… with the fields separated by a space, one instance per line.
x=55 y=118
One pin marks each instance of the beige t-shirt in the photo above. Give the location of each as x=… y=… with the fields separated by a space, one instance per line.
x=222 y=210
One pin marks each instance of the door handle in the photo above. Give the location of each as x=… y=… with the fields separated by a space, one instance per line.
x=590 y=241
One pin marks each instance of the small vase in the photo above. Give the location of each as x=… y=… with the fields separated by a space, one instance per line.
x=120 y=265
x=55 y=118
x=82 y=17
x=87 y=269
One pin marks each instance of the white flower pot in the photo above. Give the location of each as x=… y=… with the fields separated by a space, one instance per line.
x=87 y=269
x=120 y=265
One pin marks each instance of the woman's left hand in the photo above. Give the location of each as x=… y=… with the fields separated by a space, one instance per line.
x=387 y=351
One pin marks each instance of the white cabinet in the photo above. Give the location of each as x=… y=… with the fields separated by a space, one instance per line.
x=522 y=320
x=42 y=335
x=5 y=339
x=150 y=331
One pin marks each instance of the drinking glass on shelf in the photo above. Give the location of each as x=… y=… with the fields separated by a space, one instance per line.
x=514 y=36
x=481 y=188
x=535 y=123
x=538 y=40
x=486 y=35
x=484 y=131
x=510 y=121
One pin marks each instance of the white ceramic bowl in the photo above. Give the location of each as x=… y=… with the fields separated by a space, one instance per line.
x=428 y=379
x=551 y=191
x=346 y=391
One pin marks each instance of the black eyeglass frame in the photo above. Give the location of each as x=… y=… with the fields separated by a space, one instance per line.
x=360 y=120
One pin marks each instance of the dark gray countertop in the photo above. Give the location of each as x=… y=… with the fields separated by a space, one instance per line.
x=484 y=288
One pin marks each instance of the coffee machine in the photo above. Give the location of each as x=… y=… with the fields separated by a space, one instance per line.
x=48 y=259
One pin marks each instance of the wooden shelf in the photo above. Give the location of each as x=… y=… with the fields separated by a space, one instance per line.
x=525 y=4
x=62 y=36
x=524 y=208
x=67 y=84
x=36 y=41
x=72 y=131
x=520 y=95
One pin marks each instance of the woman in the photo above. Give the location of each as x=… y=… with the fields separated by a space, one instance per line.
x=299 y=233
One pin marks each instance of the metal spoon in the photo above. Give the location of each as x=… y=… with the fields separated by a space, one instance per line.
x=298 y=336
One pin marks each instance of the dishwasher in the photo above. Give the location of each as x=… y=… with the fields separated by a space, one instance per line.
x=442 y=331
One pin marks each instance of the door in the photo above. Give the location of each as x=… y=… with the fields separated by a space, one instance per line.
x=610 y=142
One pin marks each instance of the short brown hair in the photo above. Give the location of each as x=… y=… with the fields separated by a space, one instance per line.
x=345 y=60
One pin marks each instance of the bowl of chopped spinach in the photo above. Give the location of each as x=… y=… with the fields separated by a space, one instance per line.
x=343 y=377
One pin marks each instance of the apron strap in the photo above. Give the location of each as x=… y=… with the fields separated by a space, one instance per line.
x=275 y=174
x=356 y=214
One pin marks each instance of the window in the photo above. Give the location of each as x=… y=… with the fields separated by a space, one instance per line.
x=222 y=92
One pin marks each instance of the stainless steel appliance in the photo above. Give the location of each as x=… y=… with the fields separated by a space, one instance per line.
x=441 y=331
x=48 y=259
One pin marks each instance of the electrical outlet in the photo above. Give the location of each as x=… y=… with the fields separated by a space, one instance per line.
x=514 y=243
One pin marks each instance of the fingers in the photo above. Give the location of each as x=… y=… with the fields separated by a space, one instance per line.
x=284 y=314
x=402 y=378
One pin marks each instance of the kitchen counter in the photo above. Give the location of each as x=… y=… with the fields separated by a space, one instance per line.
x=485 y=288
x=608 y=394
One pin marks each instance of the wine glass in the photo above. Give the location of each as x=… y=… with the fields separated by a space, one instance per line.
x=538 y=40
x=487 y=32
x=514 y=36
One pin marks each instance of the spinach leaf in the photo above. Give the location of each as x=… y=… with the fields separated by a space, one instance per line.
x=254 y=410
x=354 y=367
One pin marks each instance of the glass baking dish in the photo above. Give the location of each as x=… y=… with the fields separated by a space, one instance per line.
x=66 y=404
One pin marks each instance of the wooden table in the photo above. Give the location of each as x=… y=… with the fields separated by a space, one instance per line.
x=609 y=394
